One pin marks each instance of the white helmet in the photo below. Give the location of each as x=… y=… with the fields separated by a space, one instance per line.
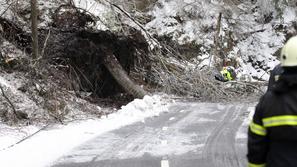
x=289 y=53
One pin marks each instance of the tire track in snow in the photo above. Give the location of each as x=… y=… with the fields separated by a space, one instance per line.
x=220 y=150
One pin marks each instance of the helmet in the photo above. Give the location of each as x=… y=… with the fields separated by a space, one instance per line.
x=230 y=69
x=232 y=72
x=289 y=53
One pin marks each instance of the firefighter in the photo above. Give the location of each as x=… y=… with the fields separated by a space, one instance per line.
x=274 y=74
x=272 y=134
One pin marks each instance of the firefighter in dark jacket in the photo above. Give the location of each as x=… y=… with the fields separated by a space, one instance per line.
x=272 y=134
x=276 y=72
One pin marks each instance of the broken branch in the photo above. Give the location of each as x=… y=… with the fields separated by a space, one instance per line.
x=9 y=102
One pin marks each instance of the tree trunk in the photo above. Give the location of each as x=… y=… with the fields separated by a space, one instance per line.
x=34 y=13
x=217 y=46
x=119 y=74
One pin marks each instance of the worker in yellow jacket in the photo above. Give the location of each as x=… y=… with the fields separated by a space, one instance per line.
x=227 y=74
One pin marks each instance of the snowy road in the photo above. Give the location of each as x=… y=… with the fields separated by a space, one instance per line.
x=191 y=134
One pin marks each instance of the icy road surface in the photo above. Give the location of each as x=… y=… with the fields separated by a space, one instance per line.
x=190 y=134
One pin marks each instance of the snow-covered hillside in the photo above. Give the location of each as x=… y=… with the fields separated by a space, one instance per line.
x=258 y=30
x=255 y=30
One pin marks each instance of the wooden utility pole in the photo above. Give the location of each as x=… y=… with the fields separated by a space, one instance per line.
x=34 y=13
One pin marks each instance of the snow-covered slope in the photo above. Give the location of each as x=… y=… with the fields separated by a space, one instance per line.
x=255 y=34
x=255 y=30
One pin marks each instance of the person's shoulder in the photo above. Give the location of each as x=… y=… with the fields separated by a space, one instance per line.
x=278 y=69
x=267 y=97
x=274 y=74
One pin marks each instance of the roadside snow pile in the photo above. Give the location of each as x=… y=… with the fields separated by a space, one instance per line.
x=139 y=109
x=41 y=149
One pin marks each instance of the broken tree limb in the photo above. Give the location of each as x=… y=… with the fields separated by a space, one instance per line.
x=45 y=42
x=136 y=22
x=26 y=138
x=19 y=115
x=119 y=74
x=16 y=35
x=6 y=9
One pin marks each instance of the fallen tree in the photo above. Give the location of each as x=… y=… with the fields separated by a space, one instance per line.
x=96 y=61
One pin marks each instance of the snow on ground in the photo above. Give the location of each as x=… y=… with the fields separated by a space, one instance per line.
x=242 y=132
x=11 y=83
x=41 y=149
x=11 y=135
x=106 y=17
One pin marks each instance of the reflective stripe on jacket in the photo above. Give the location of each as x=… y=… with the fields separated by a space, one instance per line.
x=272 y=134
x=256 y=165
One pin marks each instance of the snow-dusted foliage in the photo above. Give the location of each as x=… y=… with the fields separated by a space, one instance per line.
x=19 y=11
x=185 y=21
x=106 y=17
x=256 y=29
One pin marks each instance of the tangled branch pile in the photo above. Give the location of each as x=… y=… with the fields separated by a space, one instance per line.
x=178 y=78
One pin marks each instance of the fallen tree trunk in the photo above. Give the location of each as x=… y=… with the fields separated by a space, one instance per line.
x=119 y=74
x=111 y=57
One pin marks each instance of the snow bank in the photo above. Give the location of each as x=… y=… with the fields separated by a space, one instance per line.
x=41 y=150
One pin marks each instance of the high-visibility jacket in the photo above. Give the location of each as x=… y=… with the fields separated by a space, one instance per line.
x=226 y=74
x=272 y=134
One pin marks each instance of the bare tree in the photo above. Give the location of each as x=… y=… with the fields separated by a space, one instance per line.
x=217 y=46
x=34 y=13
